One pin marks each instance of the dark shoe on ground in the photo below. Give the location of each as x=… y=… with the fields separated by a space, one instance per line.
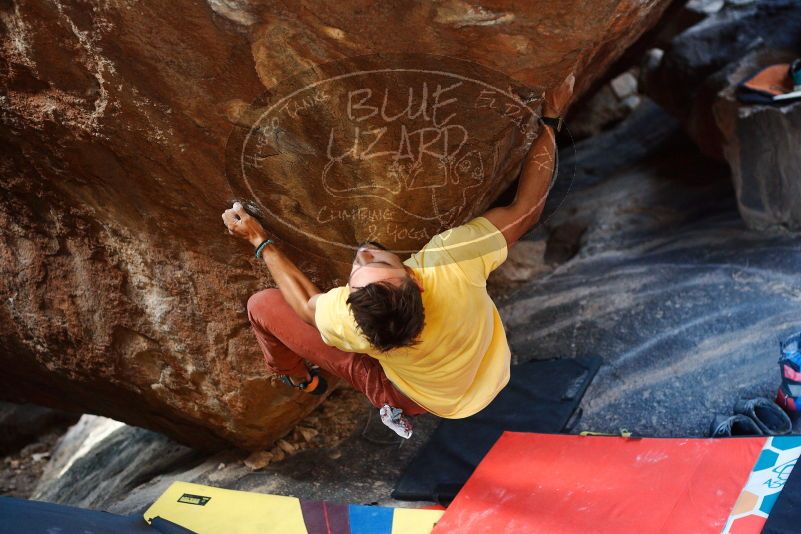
x=736 y=425
x=770 y=419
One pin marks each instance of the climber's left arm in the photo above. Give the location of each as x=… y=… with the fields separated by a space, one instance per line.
x=518 y=217
x=525 y=210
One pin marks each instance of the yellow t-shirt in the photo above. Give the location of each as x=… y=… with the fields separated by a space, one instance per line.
x=462 y=361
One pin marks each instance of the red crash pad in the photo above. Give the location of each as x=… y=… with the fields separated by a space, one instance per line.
x=560 y=483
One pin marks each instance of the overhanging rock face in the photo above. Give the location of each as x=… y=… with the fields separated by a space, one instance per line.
x=127 y=129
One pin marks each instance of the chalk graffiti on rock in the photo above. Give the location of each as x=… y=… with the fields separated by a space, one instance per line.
x=401 y=152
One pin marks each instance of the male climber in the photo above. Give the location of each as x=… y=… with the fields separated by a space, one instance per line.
x=416 y=335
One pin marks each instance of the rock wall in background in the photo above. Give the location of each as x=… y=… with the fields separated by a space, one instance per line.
x=121 y=293
x=21 y=424
x=695 y=78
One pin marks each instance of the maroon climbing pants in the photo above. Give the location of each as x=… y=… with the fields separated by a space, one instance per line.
x=286 y=340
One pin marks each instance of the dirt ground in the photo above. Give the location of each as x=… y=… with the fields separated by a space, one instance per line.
x=325 y=427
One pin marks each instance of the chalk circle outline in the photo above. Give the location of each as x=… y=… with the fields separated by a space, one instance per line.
x=241 y=173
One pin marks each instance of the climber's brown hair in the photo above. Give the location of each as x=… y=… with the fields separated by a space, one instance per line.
x=390 y=316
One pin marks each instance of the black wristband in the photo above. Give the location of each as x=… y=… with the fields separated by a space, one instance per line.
x=261 y=246
x=553 y=122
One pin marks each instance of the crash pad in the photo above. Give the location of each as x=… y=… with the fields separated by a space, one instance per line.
x=21 y=516
x=773 y=491
x=540 y=397
x=206 y=509
x=575 y=484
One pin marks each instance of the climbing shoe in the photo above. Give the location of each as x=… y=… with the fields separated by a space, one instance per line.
x=395 y=420
x=736 y=425
x=316 y=385
x=770 y=419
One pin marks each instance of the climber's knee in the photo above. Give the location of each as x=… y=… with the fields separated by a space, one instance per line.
x=263 y=304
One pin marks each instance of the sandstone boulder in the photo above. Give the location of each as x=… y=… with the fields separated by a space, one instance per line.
x=683 y=303
x=128 y=127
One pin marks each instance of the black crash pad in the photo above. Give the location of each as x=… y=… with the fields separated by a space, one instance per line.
x=541 y=397
x=21 y=516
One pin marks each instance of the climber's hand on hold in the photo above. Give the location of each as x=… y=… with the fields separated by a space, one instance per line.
x=241 y=224
x=557 y=99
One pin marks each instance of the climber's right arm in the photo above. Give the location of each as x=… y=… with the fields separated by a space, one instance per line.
x=298 y=291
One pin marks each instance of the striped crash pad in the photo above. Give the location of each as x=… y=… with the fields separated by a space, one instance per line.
x=548 y=483
x=205 y=509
